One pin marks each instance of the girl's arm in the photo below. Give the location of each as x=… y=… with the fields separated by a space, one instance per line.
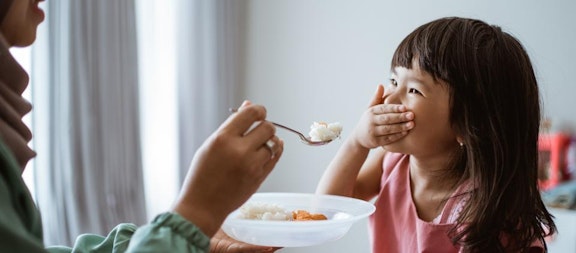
x=340 y=177
x=370 y=176
x=353 y=172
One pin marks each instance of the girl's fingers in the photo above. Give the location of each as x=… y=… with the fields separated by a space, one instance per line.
x=387 y=139
x=387 y=108
x=378 y=96
x=393 y=118
x=383 y=130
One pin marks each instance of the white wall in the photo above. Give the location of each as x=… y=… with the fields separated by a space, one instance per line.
x=310 y=60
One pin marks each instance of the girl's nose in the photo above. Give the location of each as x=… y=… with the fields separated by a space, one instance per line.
x=392 y=96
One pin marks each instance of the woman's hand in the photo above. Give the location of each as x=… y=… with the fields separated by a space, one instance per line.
x=222 y=243
x=382 y=124
x=229 y=167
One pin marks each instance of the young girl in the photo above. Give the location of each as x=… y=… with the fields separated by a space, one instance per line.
x=454 y=141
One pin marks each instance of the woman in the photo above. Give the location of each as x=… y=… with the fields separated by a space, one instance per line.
x=209 y=193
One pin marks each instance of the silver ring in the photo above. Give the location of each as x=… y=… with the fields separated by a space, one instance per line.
x=270 y=145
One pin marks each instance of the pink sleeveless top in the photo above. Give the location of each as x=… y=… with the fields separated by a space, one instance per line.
x=395 y=226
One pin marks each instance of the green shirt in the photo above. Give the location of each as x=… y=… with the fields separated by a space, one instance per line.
x=21 y=226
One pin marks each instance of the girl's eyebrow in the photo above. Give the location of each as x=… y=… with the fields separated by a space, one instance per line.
x=418 y=80
x=411 y=78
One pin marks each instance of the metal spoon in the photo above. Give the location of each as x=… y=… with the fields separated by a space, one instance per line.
x=303 y=138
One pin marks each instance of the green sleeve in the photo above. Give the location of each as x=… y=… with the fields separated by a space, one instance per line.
x=21 y=225
x=15 y=234
x=169 y=232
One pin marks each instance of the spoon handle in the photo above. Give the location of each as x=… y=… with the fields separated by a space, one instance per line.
x=289 y=129
x=276 y=124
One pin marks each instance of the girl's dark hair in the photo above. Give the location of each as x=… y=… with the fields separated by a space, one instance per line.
x=495 y=108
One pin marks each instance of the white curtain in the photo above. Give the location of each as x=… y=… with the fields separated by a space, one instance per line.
x=86 y=126
x=210 y=45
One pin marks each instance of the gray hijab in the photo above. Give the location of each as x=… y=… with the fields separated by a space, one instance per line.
x=13 y=81
x=4 y=5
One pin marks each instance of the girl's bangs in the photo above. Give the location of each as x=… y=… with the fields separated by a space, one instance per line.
x=428 y=46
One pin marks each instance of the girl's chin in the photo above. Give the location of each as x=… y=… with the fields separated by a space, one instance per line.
x=394 y=148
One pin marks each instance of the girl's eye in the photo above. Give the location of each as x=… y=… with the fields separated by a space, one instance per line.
x=393 y=82
x=415 y=91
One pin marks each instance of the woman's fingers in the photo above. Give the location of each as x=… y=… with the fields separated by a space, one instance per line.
x=268 y=152
x=272 y=145
x=244 y=104
x=258 y=134
x=240 y=122
x=262 y=139
x=277 y=151
x=222 y=243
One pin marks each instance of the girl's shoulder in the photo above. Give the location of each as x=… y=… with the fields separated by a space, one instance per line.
x=455 y=204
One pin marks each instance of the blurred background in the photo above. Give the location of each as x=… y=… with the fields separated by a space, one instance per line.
x=189 y=61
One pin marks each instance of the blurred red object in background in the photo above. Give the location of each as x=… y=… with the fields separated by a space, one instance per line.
x=552 y=160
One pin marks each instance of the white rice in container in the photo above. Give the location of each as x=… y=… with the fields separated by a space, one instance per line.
x=321 y=131
x=263 y=211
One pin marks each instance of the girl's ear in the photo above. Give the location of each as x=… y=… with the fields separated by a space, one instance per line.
x=460 y=141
